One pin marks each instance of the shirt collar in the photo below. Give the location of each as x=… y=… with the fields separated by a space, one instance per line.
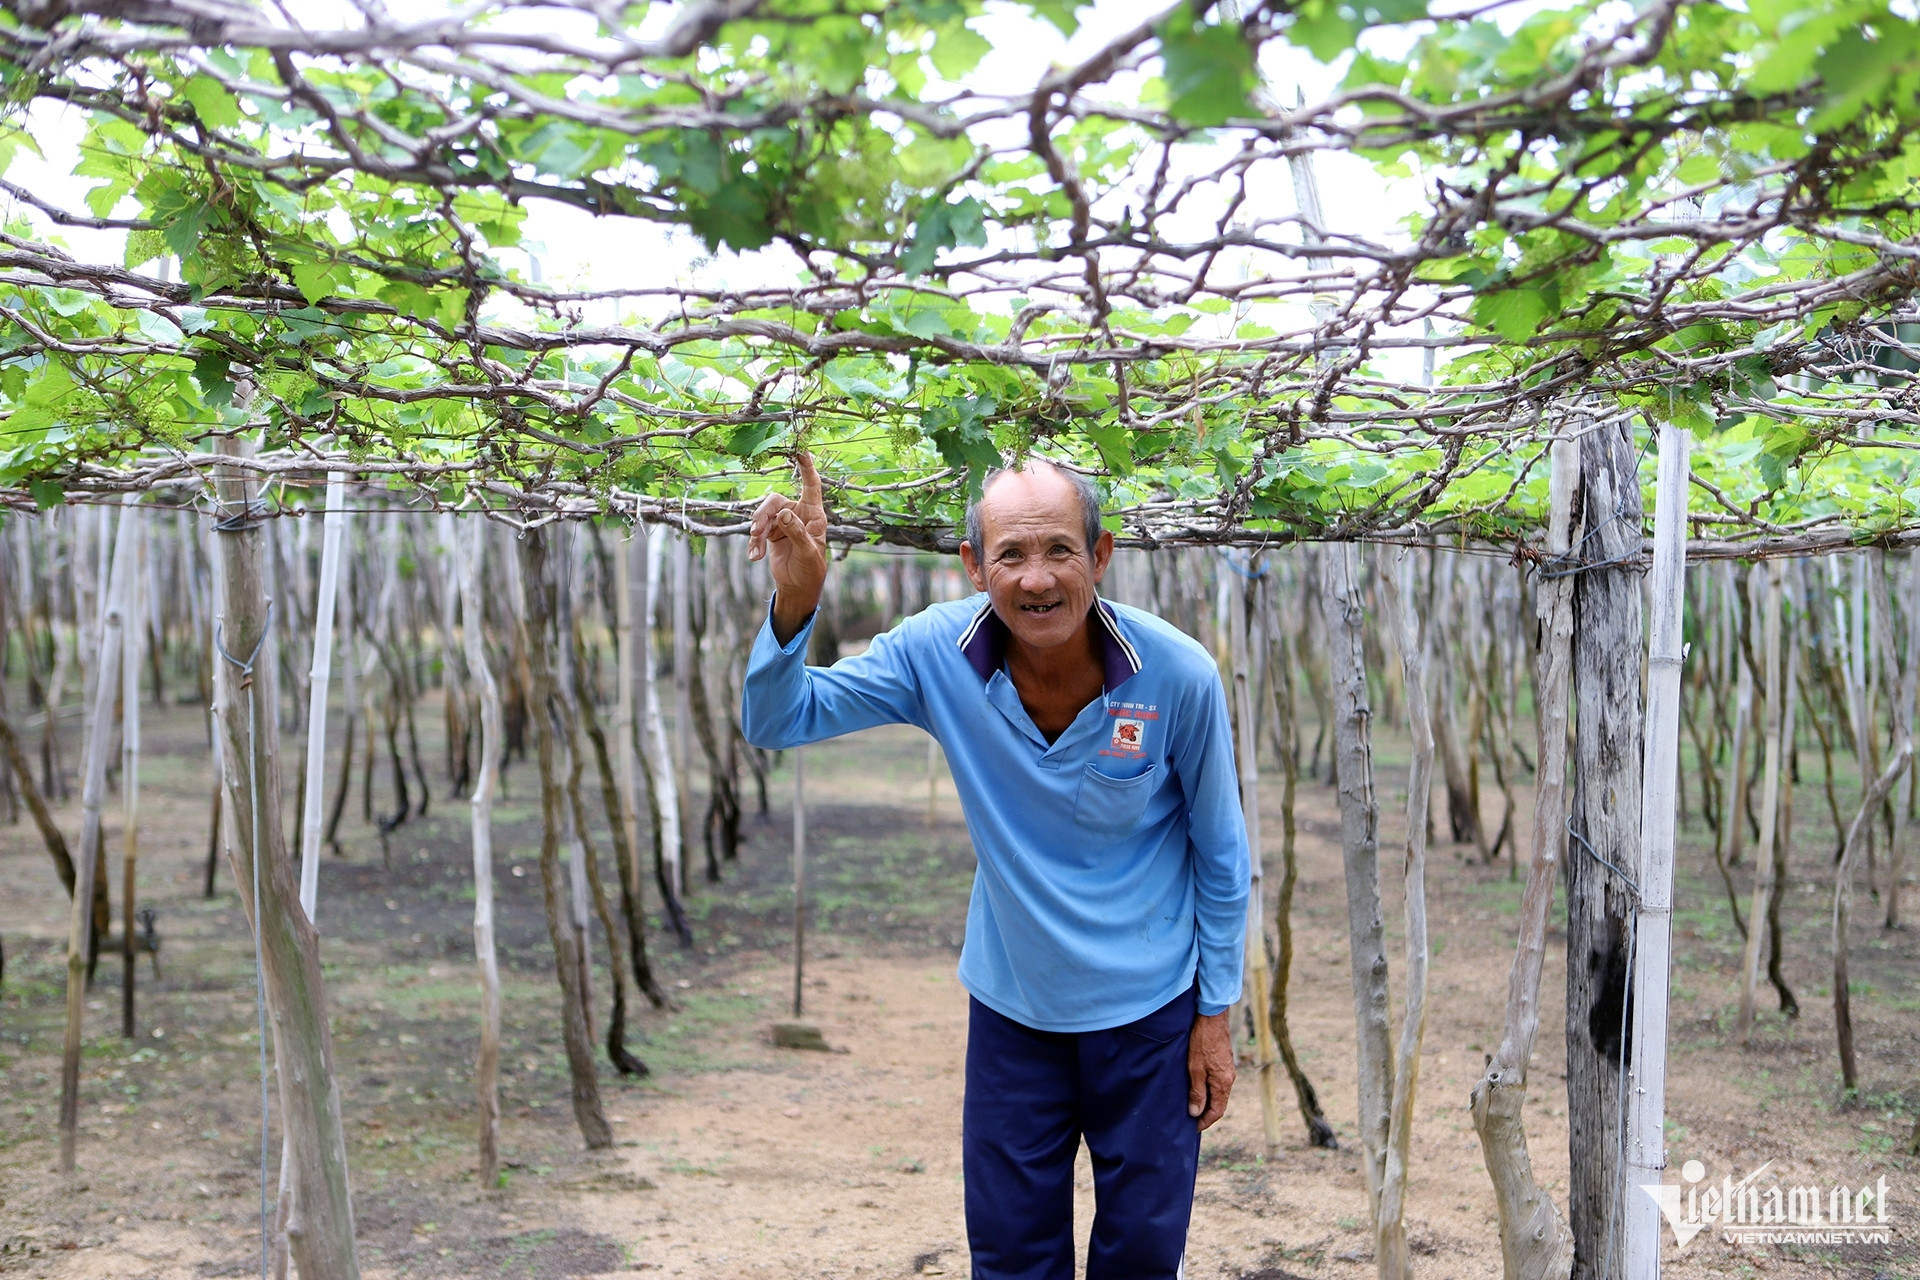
x=985 y=644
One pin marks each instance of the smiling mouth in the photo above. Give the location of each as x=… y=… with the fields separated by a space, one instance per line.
x=1041 y=608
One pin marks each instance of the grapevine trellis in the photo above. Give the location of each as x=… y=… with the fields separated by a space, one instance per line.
x=1684 y=214
x=1614 y=228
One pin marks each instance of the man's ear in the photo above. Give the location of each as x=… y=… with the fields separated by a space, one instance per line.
x=972 y=566
x=1102 y=555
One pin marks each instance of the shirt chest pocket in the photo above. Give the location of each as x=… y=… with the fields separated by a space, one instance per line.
x=1112 y=805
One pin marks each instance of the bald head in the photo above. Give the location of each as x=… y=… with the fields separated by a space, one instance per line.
x=1037 y=481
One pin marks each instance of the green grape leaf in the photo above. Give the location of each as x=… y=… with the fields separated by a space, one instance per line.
x=1209 y=71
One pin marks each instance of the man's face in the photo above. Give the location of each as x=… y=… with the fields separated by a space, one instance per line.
x=1038 y=572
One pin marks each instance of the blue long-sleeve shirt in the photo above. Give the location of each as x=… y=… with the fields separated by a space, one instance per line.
x=1112 y=863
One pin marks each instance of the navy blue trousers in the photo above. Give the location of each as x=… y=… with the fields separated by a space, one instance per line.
x=1031 y=1097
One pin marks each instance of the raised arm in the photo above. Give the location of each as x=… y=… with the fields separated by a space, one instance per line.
x=792 y=537
x=783 y=702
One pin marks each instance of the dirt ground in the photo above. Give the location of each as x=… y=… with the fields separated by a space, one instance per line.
x=736 y=1158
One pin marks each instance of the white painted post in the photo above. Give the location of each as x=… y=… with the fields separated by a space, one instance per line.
x=469 y=551
x=93 y=785
x=320 y=675
x=1646 y=1100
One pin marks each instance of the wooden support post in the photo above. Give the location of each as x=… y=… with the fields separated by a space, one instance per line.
x=1653 y=915
x=1535 y=1243
x=1246 y=752
x=1390 y=1231
x=1360 y=845
x=1609 y=718
x=320 y=1226
x=536 y=617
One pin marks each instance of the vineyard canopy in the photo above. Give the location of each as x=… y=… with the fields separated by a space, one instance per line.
x=1684 y=212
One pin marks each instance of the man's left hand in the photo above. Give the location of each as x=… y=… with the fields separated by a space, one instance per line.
x=1209 y=1068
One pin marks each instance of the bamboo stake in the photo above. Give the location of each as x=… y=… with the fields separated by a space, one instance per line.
x=131 y=634
x=1535 y=1241
x=1247 y=753
x=93 y=785
x=1653 y=920
x=1763 y=854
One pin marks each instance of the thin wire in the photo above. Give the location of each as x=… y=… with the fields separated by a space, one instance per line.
x=1547 y=572
x=1595 y=855
x=259 y=970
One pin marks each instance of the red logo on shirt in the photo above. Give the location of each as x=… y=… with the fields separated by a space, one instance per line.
x=1127 y=734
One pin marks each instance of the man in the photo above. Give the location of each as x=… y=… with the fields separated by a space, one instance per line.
x=1089 y=744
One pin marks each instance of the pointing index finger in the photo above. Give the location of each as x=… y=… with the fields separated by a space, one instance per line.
x=809 y=482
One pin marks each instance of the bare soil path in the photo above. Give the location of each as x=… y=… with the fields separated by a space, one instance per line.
x=739 y=1159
